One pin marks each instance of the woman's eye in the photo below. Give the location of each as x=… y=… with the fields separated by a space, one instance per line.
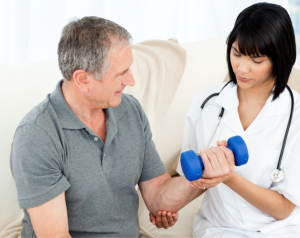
x=236 y=54
x=257 y=62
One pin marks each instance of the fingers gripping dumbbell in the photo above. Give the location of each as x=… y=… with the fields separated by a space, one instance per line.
x=192 y=164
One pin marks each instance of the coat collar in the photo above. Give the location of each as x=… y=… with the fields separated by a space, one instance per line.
x=229 y=100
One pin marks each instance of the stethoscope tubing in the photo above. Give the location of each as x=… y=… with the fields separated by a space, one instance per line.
x=287 y=128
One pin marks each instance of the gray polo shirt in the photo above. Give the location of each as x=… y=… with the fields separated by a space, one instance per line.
x=53 y=151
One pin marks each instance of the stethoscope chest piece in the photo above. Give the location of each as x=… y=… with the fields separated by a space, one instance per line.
x=277 y=175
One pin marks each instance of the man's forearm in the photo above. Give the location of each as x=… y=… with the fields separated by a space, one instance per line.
x=171 y=195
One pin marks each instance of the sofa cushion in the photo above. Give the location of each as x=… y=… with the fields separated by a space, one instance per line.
x=157 y=68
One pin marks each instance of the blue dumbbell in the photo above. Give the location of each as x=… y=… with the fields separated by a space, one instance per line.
x=192 y=164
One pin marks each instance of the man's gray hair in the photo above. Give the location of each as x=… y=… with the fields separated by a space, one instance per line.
x=85 y=44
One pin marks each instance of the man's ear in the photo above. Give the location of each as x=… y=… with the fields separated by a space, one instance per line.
x=80 y=78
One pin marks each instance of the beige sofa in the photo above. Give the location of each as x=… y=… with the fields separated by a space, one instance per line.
x=167 y=76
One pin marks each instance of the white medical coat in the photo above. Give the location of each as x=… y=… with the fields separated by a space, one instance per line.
x=221 y=206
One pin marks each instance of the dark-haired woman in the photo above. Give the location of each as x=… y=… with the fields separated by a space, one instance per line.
x=257 y=105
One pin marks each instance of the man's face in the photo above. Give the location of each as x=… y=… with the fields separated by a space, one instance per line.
x=108 y=91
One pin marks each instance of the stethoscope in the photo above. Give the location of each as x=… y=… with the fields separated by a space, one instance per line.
x=277 y=174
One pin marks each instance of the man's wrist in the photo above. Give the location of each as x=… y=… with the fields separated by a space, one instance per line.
x=230 y=178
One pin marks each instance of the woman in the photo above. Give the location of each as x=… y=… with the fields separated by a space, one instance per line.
x=257 y=104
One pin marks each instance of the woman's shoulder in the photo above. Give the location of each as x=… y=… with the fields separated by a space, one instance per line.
x=202 y=94
x=296 y=96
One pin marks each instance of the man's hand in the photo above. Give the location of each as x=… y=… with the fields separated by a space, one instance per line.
x=218 y=165
x=164 y=219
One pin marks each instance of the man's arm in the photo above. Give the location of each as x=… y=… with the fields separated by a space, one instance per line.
x=168 y=194
x=164 y=193
x=50 y=219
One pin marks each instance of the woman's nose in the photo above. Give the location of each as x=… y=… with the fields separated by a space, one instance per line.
x=243 y=66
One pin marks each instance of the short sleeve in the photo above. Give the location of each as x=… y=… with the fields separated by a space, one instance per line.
x=289 y=186
x=36 y=166
x=152 y=165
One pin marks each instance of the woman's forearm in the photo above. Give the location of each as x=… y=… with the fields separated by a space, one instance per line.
x=266 y=200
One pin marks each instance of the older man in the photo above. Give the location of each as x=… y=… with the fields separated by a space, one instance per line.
x=77 y=156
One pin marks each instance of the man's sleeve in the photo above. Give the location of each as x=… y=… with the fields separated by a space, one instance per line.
x=36 y=165
x=152 y=165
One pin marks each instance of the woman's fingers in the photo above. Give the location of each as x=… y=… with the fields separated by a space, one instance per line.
x=164 y=219
x=211 y=164
x=222 y=143
x=205 y=160
x=197 y=184
x=225 y=167
x=218 y=161
x=171 y=221
x=158 y=222
x=213 y=159
x=175 y=217
x=207 y=182
x=228 y=155
x=211 y=182
x=152 y=219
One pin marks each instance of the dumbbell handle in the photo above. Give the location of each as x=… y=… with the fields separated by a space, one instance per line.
x=192 y=164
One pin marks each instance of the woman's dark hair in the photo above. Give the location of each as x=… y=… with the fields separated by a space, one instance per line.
x=265 y=29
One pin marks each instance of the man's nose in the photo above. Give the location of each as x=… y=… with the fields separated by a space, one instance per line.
x=129 y=80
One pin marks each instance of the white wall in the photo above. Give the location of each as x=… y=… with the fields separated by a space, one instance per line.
x=30 y=29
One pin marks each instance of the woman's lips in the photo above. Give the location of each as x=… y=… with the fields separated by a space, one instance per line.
x=245 y=80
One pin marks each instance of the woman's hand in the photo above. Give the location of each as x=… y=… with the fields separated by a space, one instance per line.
x=218 y=161
x=164 y=219
x=218 y=165
x=207 y=183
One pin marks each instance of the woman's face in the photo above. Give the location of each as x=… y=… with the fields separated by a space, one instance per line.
x=250 y=71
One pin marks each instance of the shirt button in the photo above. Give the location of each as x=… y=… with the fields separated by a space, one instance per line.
x=244 y=204
x=95 y=138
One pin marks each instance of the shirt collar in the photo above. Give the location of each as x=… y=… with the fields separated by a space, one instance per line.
x=229 y=100
x=67 y=117
x=228 y=97
x=281 y=105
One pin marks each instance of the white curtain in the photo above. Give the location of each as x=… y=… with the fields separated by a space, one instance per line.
x=30 y=29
